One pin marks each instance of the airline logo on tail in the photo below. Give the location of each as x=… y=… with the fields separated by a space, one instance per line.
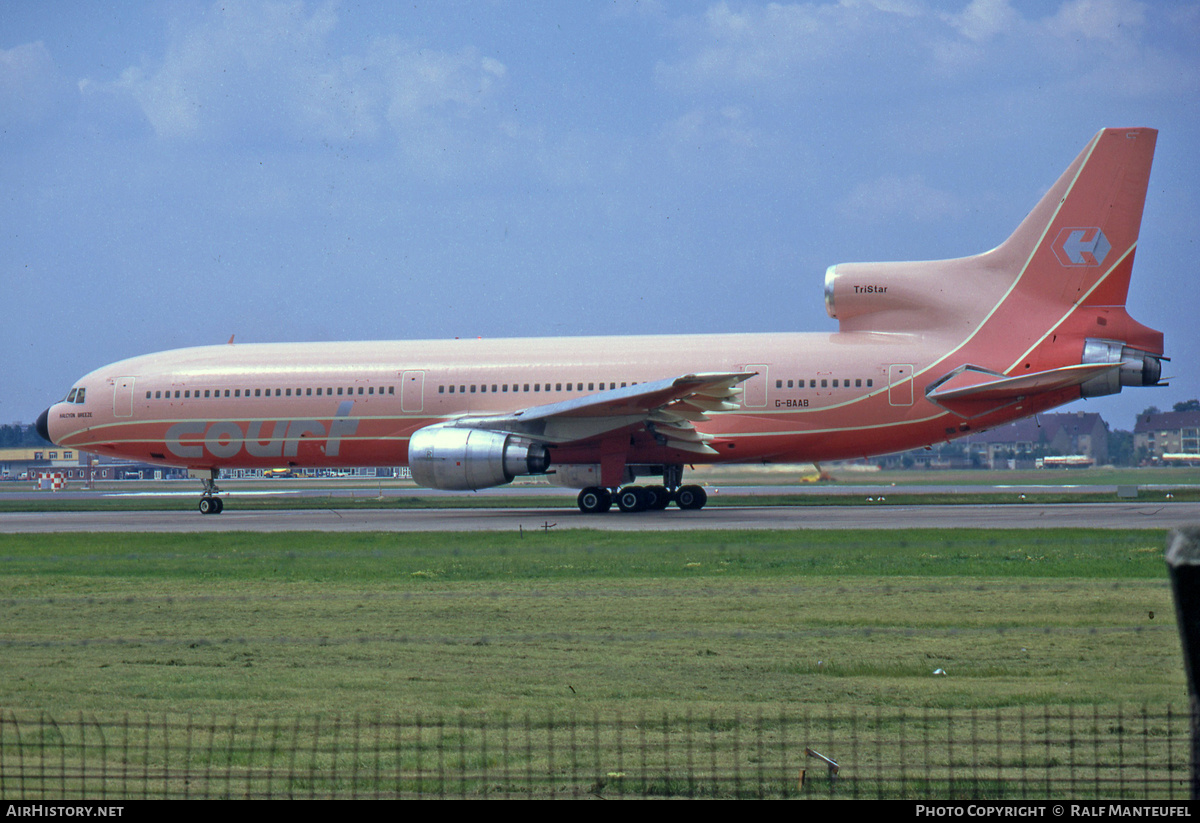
x=1081 y=247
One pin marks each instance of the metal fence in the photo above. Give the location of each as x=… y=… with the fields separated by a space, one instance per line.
x=1004 y=754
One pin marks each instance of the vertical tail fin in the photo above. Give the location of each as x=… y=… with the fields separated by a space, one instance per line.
x=1077 y=245
x=1061 y=278
x=1063 y=316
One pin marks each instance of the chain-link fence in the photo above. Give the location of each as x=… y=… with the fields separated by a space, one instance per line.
x=1007 y=754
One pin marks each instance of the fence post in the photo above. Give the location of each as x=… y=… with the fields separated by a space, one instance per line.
x=1183 y=564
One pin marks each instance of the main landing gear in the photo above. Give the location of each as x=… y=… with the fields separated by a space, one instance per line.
x=595 y=499
x=209 y=502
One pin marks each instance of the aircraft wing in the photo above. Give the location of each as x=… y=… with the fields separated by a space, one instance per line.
x=668 y=407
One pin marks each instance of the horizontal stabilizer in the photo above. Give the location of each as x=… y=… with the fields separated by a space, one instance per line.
x=971 y=391
x=974 y=383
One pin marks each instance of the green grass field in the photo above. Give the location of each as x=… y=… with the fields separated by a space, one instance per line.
x=580 y=621
x=583 y=663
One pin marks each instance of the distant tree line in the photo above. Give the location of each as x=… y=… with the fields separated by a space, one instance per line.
x=20 y=435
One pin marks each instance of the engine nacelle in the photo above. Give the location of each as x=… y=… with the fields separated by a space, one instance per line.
x=855 y=290
x=1138 y=368
x=461 y=459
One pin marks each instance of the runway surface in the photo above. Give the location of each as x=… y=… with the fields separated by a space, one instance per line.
x=1017 y=516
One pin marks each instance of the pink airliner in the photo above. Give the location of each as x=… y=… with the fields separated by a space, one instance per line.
x=924 y=352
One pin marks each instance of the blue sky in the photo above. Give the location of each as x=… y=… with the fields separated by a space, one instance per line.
x=176 y=172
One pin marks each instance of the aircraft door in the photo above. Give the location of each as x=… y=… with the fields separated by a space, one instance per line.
x=755 y=389
x=412 y=391
x=123 y=397
x=900 y=384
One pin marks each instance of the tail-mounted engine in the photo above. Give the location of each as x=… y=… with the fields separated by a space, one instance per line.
x=1137 y=368
x=452 y=458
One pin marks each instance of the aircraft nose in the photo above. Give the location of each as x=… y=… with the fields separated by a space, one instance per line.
x=43 y=425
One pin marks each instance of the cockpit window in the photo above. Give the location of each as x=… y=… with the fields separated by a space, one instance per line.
x=79 y=395
x=71 y=396
x=75 y=396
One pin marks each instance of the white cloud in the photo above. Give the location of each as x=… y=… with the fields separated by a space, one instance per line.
x=245 y=72
x=823 y=48
x=984 y=19
x=29 y=83
x=892 y=197
x=702 y=128
x=762 y=45
x=1112 y=21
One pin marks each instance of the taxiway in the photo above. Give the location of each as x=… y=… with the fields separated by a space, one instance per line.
x=1012 y=516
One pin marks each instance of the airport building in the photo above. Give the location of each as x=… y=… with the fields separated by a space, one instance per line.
x=1035 y=441
x=1168 y=437
x=74 y=466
